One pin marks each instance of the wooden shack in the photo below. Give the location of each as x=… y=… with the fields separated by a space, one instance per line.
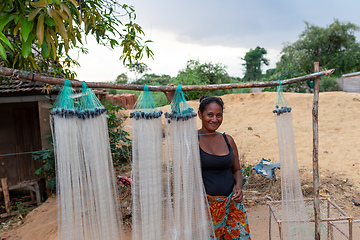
x=24 y=128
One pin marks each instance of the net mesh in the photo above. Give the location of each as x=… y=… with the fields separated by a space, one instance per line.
x=88 y=100
x=191 y=217
x=64 y=99
x=295 y=221
x=88 y=205
x=147 y=171
x=145 y=100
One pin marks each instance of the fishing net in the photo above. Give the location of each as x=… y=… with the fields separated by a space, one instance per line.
x=88 y=205
x=294 y=217
x=190 y=218
x=148 y=192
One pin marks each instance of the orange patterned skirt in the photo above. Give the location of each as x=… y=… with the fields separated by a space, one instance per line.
x=229 y=218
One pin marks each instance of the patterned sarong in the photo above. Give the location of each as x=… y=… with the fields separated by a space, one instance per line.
x=229 y=217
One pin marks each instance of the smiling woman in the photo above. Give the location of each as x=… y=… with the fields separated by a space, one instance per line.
x=221 y=173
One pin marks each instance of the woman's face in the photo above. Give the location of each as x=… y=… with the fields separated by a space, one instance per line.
x=212 y=117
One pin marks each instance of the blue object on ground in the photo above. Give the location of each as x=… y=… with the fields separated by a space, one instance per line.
x=266 y=168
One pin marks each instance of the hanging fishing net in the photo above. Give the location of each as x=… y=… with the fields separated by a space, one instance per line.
x=148 y=192
x=294 y=217
x=88 y=205
x=191 y=218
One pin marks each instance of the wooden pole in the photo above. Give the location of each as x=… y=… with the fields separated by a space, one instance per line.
x=5 y=190
x=315 y=154
x=28 y=76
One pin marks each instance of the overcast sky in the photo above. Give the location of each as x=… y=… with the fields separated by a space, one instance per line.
x=215 y=31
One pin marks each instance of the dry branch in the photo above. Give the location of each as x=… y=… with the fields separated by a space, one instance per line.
x=21 y=75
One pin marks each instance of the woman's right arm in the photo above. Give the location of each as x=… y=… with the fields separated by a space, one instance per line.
x=169 y=94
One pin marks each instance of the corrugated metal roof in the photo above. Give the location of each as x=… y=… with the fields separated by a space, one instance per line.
x=351 y=74
x=20 y=86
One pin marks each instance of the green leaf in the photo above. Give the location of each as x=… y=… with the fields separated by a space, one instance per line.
x=48 y=21
x=17 y=18
x=45 y=48
x=47 y=167
x=39 y=172
x=2 y=52
x=52 y=183
x=25 y=28
x=26 y=48
x=46 y=155
x=5 y=40
x=5 y=20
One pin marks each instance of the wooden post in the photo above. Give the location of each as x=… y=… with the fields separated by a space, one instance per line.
x=5 y=190
x=37 y=192
x=328 y=223
x=315 y=154
x=269 y=223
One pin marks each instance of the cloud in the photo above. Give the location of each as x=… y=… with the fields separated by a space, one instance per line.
x=216 y=31
x=241 y=23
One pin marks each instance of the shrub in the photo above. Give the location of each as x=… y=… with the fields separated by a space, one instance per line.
x=329 y=83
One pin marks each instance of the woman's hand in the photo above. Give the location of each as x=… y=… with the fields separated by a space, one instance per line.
x=237 y=194
x=169 y=94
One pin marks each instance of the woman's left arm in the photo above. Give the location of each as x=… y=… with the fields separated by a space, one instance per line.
x=237 y=190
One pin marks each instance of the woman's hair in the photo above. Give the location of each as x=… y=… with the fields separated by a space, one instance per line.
x=204 y=100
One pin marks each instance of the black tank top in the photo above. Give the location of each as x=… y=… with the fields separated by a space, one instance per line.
x=216 y=172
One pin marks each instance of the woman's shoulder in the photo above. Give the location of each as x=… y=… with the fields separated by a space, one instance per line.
x=230 y=139
x=228 y=136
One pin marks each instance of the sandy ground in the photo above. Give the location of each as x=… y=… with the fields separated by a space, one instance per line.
x=41 y=223
x=249 y=119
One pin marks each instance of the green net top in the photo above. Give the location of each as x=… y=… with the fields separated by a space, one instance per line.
x=66 y=105
x=281 y=105
x=64 y=99
x=145 y=107
x=89 y=104
x=88 y=99
x=180 y=109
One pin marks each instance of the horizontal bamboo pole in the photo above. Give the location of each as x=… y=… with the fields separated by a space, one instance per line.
x=322 y=220
x=21 y=75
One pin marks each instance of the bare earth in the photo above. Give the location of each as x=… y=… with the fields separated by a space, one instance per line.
x=249 y=119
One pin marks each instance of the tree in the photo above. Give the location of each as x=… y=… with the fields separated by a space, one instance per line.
x=122 y=78
x=253 y=60
x=197 y=73
x=334 y=47
x=139 y=68
x=154 y=79
x=35 y=35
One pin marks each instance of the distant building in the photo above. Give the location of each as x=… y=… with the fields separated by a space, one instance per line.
x=350 y=82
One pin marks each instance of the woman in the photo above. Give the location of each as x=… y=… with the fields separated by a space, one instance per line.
x=221 y=172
